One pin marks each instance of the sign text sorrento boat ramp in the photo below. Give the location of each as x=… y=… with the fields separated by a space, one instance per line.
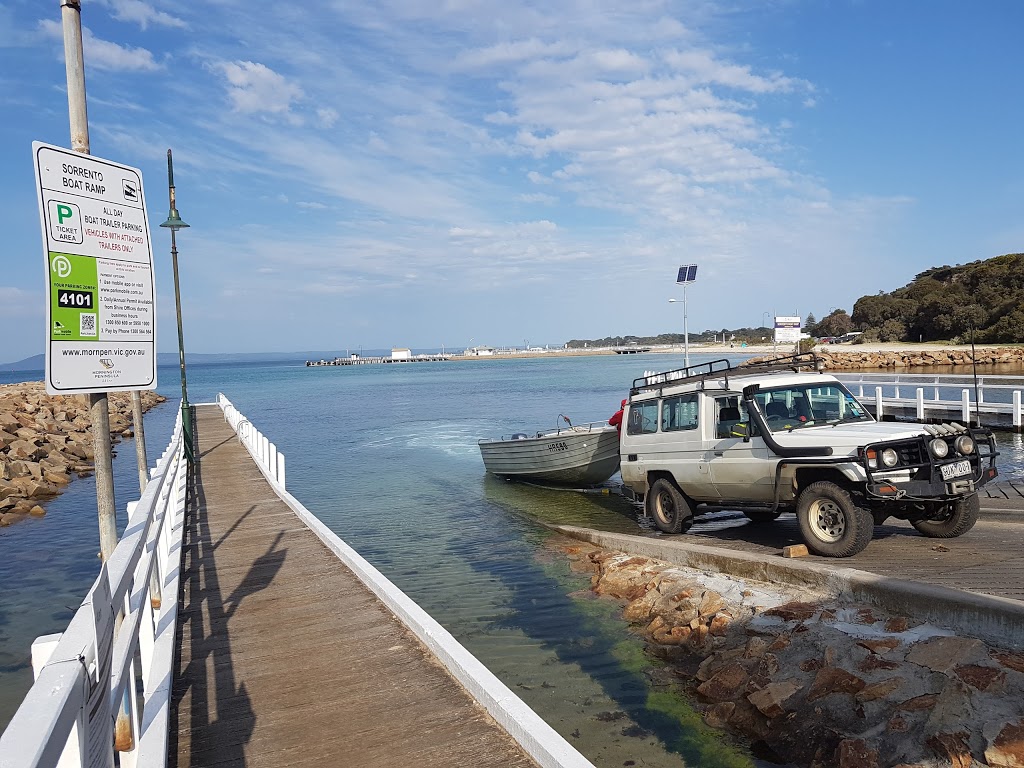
x=100 y=314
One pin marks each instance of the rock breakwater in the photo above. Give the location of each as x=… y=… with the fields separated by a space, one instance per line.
x=848 y=360
x=46 y=440
x=808 y=682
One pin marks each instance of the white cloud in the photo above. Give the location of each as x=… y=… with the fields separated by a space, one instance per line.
x=326 y=117
x=705 y=68
x=143 y=14
x=103 y=54
x=311 y=205
x=538 y=197
x=254 y=87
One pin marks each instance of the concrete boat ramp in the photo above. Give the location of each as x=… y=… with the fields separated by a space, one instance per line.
x=973 y=584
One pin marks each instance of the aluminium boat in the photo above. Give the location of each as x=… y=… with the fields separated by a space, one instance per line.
x=580 y=455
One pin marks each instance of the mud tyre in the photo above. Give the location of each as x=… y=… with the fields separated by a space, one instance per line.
x=831 y=524
x=668 y=507
x=961 y=515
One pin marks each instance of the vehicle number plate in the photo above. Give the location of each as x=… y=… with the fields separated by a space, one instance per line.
x=960 y=468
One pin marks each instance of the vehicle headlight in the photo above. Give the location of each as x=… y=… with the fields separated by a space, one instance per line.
x=939 y=448
x=889 y=457
x=965 y=445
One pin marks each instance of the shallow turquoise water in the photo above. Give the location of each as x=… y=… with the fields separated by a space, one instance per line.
x=386 y=456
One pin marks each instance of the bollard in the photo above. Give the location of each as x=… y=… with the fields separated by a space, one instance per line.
x=878 y=403
x=965 y=409
x=920 y=403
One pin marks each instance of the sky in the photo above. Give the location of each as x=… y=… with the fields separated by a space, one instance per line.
x=420 y=173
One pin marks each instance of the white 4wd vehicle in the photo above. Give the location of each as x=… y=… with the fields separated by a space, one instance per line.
x=768 y=439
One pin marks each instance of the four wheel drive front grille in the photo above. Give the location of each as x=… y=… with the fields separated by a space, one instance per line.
x=913 y=455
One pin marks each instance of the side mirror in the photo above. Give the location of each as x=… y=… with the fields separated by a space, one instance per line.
x=741 y=429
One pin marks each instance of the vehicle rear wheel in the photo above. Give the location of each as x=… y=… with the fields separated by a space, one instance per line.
x=958 y=518
x=668 y=507
x=761 y=515
x=831 y=524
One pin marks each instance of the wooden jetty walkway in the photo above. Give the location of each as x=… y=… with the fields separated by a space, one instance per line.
x=286 y=658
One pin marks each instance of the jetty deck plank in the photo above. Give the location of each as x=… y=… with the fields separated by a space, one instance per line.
x=286 y=659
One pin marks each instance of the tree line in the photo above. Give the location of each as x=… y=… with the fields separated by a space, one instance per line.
x=984 y=298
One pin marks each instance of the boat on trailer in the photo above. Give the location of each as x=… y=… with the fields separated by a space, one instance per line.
x=580 y=455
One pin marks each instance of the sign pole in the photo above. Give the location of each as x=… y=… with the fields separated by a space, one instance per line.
x=99 y=412
x=686 y=333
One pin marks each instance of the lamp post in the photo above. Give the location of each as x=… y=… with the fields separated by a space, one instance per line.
x=764 y=315
x=686 y=333
x=174 y=223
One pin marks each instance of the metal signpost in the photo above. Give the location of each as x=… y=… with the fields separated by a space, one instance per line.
x=100 y=318
x=687 y=274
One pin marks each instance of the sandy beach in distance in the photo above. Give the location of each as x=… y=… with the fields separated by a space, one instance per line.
x=751 y=349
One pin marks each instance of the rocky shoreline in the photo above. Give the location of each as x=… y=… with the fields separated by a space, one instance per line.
x=807 y=682
x=833 y=359
x=46 y=440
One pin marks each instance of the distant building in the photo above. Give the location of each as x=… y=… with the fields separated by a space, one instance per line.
x=400 y=353
x=479 y=351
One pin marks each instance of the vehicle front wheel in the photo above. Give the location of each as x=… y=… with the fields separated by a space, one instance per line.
x=761 y=515
x=668 y=507
x=956 y=519
x=831 y=524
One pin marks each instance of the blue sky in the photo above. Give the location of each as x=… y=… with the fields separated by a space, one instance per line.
x=414 y=173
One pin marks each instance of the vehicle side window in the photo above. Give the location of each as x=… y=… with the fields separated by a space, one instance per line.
x=731 y=418
x=643 y=418
x=679 y=413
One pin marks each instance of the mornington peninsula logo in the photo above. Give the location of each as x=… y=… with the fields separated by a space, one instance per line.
x=107 y=363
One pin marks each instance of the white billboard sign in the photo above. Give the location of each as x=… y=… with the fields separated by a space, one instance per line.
x=787 y=330
x=100 y=294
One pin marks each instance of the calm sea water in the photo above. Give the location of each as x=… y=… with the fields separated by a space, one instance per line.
x=387 y=457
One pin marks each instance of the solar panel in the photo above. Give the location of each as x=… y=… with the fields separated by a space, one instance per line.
x=687 y=273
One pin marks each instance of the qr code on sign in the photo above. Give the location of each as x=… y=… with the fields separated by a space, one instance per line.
x=87 y=325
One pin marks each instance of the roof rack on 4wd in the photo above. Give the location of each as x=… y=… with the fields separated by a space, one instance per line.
x=720 y=368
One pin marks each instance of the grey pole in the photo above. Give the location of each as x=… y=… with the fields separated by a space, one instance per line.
x=99 y=413
x=686 y=333
x=140 y=441
x=99 y=410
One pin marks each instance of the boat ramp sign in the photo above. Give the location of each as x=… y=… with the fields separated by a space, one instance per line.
x=100 y=296
x=787 y=330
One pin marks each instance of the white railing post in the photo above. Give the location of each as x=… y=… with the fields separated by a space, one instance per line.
x=271 y=458
x=920 y=403
x=280 y=469
x=965 y=401
x=1016 y=409
x=878 y=403
x=42 y=649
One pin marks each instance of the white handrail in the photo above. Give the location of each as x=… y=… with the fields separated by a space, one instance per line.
x=948 y=393
x=86 y=670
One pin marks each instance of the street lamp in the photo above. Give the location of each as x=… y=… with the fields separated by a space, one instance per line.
x=686 y=334
x=174 y=223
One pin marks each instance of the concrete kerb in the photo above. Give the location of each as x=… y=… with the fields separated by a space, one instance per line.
x=996 y=620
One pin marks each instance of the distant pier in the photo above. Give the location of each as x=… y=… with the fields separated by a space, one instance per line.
x=378 y=360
